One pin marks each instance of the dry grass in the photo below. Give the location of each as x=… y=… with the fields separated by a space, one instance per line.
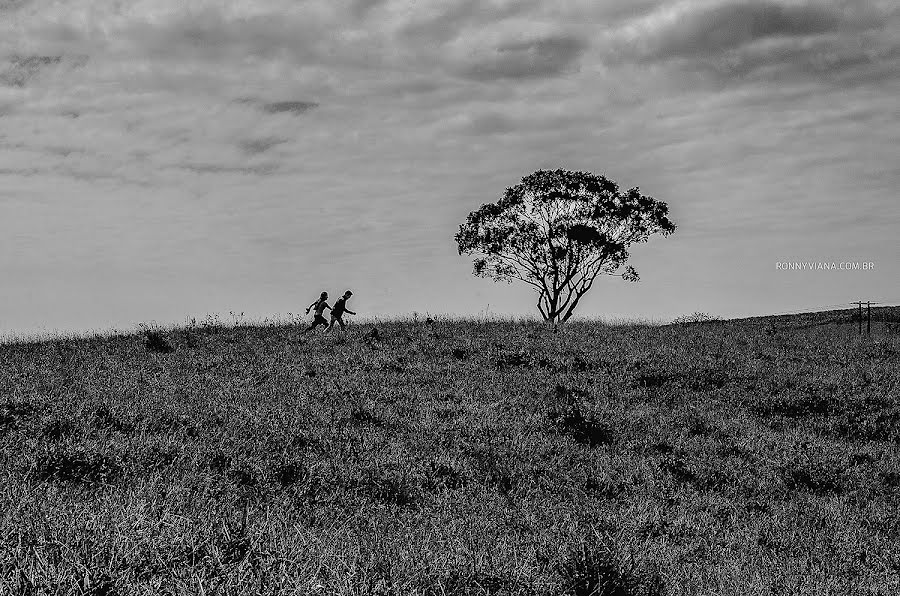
x=453 y=458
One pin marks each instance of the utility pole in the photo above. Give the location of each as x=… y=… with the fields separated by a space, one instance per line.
x=859 y=304
x=868 y=317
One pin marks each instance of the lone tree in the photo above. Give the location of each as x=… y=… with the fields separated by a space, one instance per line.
x=557 y=231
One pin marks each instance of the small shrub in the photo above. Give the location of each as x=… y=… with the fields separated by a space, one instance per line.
x=289 y=473
x=155 y=341
x=696 y=317
x=595 y=571
x=568 y=417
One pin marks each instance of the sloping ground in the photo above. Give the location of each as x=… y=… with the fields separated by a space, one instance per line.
x=456 y=457
x=881 y=318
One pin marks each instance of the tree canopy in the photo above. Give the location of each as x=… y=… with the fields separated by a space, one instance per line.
x=559 y=230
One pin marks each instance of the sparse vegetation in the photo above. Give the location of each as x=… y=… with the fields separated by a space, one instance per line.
x=453 y=458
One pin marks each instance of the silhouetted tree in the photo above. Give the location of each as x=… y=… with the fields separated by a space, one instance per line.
x=557 y=231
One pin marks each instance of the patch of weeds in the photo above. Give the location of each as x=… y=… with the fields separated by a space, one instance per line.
x=476 y=583
x=707 y=379
x=881 y=425
x=362 y=416
x=800 y=404
x=218 y=461
x=696 y=317
x=444 y=475
x=194 y=555
x=390 y=486
x=659 y=447
x=157 y=458
x=300 y=442
x=653 y=379
x=512 y=359
x=444 y=413
x=496 y=471
x=731 y=449
x=105 y=419
x=675 y=465
x=568 y=417
x=56 y=429
x=78 y=466
x=12 y=414
x=234 y=549
x=890 y=478
x=460 y=354
x=820 y=477
x=155 y=341
x=289 y=473
x=596 y=570
x=396 y=366
x=101 y=585
x=169 y=424
x=604 y=487
x=242 y=477
x=579 y=364
x=698 y=425
x=756 y=505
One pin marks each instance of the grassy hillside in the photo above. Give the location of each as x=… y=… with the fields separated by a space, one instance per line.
x=452 y=458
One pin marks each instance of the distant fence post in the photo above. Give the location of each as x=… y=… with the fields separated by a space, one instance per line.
x=868 y=318
x=859 y=318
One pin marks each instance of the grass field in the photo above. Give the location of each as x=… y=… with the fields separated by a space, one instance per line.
x=738 y=457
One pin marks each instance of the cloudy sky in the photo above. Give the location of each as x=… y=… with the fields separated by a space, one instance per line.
x=164 y=159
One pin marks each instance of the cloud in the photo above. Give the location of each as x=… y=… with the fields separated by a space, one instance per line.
x=447 y=20
x=20 y=69
x=257 y=146
x=728 y=26
x=762 y=39
x=543 y=57
x=12 y=4
x=209 y=168
x=290 y=107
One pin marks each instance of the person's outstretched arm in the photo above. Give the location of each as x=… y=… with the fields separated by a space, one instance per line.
x=349 y=312
x=308 y=308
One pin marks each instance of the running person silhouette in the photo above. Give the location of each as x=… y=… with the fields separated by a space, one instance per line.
x=340 y=307
x=318 y=319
